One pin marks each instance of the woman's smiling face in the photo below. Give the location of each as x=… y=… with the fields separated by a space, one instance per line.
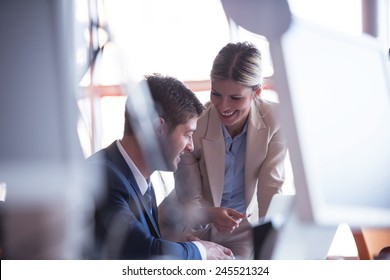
x=233 y=102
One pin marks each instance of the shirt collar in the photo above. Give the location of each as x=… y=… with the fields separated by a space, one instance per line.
x=139 y=178
x=227 y=135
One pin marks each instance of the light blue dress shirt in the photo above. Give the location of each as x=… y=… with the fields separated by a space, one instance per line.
x=234 y=182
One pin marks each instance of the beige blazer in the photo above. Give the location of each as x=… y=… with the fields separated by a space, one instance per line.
x=199 y=179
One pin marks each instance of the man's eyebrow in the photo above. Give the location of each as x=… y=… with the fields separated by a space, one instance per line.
x=190 y=130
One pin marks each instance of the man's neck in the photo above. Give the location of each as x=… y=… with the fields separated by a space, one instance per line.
x=132 y=148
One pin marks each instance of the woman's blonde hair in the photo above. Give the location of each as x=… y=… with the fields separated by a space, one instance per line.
x=240 y=62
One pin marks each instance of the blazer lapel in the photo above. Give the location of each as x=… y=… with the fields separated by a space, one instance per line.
x=214 y=153
x=255 y=146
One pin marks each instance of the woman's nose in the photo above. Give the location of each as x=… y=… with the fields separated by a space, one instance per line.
x=224 y=104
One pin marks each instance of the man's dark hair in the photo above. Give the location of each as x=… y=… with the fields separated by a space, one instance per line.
x=173 y=101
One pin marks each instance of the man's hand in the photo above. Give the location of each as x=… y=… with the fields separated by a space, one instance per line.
x=214 y=250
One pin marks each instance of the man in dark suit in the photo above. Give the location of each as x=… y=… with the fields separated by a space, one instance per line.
x=126 y=220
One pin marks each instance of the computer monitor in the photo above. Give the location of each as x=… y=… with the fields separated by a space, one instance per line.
x=340 y=101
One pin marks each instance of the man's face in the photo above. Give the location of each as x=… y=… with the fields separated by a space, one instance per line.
x=174 y=143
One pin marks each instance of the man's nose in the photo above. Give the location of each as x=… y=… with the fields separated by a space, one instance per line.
x=190 y=146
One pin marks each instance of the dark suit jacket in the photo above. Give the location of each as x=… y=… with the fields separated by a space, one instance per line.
x=124 y=229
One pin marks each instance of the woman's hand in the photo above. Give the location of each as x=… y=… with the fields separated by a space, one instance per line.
x=226 y=220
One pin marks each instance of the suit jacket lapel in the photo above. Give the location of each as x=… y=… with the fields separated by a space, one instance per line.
x=155 y=211
x=115 y=155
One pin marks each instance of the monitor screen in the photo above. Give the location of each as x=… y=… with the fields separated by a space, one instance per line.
x=340 y=99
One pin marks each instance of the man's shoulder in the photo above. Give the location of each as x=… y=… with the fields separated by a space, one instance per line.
x=102 y=155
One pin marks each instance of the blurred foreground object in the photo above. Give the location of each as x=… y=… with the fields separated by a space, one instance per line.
x=49 y=196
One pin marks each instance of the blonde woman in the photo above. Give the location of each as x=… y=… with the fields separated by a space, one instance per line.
x=237 y=164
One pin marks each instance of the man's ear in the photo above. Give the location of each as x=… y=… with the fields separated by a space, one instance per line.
x=159 y=125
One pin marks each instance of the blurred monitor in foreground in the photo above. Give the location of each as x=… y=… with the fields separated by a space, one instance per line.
x=340 y=98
